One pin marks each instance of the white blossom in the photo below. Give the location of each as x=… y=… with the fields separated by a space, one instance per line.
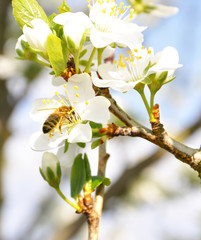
x=49 y=160
x=151 y=7
x=111 y=24
x=83 y=106
x=37 y=36
x=75 y=25
x=125 y=73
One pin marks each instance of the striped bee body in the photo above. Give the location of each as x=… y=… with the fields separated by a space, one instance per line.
x=58 y=117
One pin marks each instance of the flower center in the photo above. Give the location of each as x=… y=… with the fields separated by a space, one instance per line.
x=107 y=13
x=134 y=65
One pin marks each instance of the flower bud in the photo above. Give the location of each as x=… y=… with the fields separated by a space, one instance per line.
x=51 y=170
x=37 y=36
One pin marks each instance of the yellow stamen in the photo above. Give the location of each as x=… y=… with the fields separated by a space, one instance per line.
x=135 y=50
x=75 y=87
x=86 y=103
x=77 y=95
x=43 y=101
x=56 y=93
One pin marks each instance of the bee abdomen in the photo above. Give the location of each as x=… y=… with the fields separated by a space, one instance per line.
x=51 y=123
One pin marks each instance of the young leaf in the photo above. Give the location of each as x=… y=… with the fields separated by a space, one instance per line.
x=97 y=180
x=77 y=176
x=64 y=8
x=66 y=146
x=95 y=125
x=57 y=53
x=82 y=145
x=25 y=11
x=95 y=144
x=87 y=168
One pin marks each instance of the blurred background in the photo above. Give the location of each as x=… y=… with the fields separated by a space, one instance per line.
x=153 y=196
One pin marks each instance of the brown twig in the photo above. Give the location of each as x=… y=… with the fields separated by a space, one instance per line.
x=158 y=136
x=95 y=215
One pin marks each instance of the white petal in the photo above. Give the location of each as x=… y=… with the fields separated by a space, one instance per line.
x=58 y=81
x=97 y=110
x=128 y=34
x=49 y=160
x=42 y=142
x=41 y=111
x=164 y=11
x=101 y=39
x=79 y=88
x=109 y=71
x=80 y=133
x=66 y=158
x=166 y=60
x=18 y=44
x=65 y=18
x=37 y=36
x=112 y=78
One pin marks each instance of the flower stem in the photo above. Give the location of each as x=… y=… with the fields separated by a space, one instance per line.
x=76 y=60
x=100 y=52
x=68 y=201
x=90 y=60
x=149 y=110
x=152 y=100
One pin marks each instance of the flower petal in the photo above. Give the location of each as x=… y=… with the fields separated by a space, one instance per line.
x=66 y=158
x=42 y=142
x=79 y=88
x=43 y=107
x=166 y=60
x=97 y=110
x=80 y=133
x=164 y=11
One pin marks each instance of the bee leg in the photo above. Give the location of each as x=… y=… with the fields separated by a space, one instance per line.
x=60 y=124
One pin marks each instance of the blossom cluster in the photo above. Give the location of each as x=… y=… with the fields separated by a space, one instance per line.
x=81 y=51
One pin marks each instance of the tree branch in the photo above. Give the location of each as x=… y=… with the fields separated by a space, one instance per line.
x=157 y=135
x=128 y=176
x=95 y=215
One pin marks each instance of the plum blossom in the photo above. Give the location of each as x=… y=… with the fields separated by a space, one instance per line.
x=80 y=105
x=37 y=36
x=111 y=24
x=75 y=25
x=150 y=7
x=125 y=73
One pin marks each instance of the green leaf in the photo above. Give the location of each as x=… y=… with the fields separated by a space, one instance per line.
x=58 y=169
x=169 y=80
x=25 y=11
x=147 y=80
x=83 y=63
x=95 y=125
x=97 y=180
x=77 y=176
x=83 y=53
x=82 y=145
x=64 y=8
x=87 y=168
x=50 y=174
x=66 y=146
x=95 y=144
x=42 y=174
x=58 y=54
x=162 y=77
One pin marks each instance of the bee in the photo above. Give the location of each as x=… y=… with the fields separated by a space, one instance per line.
x=57 y=119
